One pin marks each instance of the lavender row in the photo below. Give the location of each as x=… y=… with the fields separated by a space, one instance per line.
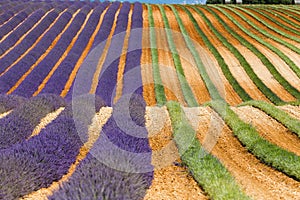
x=108 y=76
x=17 y=19
x=10 y=13
x=22 y=29
x=132 y=74
x=10 y=102
x=20 y=123
x=109 y=172
x=30 y=39
x=35 y=78
x=85 y=75
x=58 y=80
x=16 y=72
x=44 y=158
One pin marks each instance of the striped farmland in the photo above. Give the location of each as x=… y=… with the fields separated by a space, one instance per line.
x=111 y=100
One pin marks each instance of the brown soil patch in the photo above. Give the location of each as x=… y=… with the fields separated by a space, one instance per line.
x=187 y=60
x=269 y=128
x=258 y=67
x=146 y=63
x=2 y=115
x=213 y=69
x=83 y=56
x=170 y=181
x=167 y=68
x=294 y=111
x=258 y=180
x=94 y=130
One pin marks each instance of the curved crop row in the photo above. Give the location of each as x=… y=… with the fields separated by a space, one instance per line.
x=36 y=75
x=270 y=154
x=281 y=116
x=207 y=170
x=266 y=62
x=12 y=55
x=5 y=17
x=186 y=90
x=37 y=162
x=10 y=102
x=285 y=58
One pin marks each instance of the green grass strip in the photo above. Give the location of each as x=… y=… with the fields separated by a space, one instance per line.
x=273 y=20
x=293 y=91
x=185 y=88
x=272 y=13
x=284 y=57
x=268 y=25
x=272 y=155
x=261 y=86
x=284 y=118
x=207 y=170
x=240 y=91
x=158 y=85
x=201 y=68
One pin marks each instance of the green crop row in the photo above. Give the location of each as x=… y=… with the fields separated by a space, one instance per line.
x=285 y=58
x=240 y=91
x=268 y=25
x=201 y=68
x=261 y=56
x=207 y=170
x=158 y=85
x=186 y=90
x=274 y=21
x=270 y=154
x=284 y=118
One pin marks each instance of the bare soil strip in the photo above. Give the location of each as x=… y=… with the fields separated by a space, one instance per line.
x=94 y=131
x=146 y=63
x=212 y=67
x=167 y=68
x=188 y=64
x=269 y=128
x=45 y=121
x=234 y=65
x=2 y=115
x=170 y=181
x=294 y=111
x=258 y=67
x=258 y=180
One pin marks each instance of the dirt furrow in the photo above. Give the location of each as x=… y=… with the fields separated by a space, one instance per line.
x=170 y=181
x=269 y=128
x=188 y=64
x=258 y=180
x=167 y=68
x=146 y=63
x=258 y=67
x=213 y=69
x=294 y=111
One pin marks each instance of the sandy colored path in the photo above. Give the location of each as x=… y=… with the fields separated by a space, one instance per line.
x=146 y=63
x=258 y=180
x=167 y=68
x=187 y=60
x=269 y=128
x=170 y=181
x=258 y=67
x=213 y=69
